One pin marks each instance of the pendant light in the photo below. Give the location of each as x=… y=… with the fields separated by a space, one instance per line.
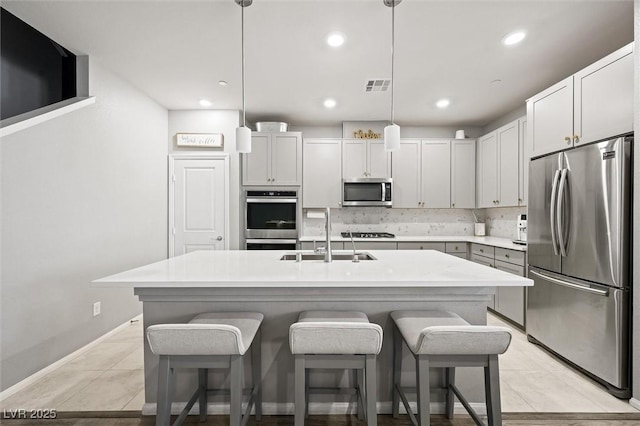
x=243 y=133
x=392 y=131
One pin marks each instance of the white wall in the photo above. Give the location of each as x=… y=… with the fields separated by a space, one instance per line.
x=213 y=121
x=83 y=196
x=521 y=111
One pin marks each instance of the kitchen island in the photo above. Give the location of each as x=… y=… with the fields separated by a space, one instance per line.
x=176 y=289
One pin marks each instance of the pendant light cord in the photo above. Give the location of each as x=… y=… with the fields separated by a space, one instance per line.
x=244 y=118
x=393 y=32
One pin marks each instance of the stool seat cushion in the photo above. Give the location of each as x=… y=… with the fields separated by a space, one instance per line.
x=446 y=333
x=215 y=333
x=335 y=332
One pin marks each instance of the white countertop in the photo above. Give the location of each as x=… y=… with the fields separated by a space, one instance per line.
x=490 y=241
x=263 y=269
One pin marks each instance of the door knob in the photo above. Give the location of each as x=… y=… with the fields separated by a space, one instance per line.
x=219 y=238
x=576 y=139
x=568 y=139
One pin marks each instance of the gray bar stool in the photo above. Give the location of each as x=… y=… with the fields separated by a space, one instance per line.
x=210 y=340
x=336 y=340
x=443 y=339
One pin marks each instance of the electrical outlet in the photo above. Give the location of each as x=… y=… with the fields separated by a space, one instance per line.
x=96 y=309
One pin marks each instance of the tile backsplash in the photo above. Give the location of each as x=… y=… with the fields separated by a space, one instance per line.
x=500 y=222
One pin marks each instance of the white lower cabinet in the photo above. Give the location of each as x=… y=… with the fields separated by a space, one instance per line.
x=309 y=245
x=372 y=245
x=508 y=301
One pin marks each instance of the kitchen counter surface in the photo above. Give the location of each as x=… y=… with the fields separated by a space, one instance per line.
x=263 y=269
x=491 y=241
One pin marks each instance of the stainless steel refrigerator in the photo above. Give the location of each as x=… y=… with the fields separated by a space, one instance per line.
x=579 y=248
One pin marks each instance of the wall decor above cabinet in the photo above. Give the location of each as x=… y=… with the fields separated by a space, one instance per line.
x=275 y=159
x=594 y=103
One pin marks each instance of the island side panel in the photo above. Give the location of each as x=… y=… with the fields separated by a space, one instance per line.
x=281 y=308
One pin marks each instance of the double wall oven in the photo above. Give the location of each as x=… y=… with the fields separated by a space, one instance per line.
x=271 y=219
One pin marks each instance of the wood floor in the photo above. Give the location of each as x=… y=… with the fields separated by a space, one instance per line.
x=133 y=418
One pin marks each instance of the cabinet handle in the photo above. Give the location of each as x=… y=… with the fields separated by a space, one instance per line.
x=453 y=204
x=576 y=139
x=481 y=251
x=568 y=139
x=456 y=248
x=506 y=255
x=420 y=247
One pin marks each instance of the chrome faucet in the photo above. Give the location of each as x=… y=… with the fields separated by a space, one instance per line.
x=355 y=256
x=327 y=228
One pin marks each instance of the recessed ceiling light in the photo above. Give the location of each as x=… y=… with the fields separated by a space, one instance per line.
x=335 y=39
x=329 y=103
x=222 y=83
x=513 y=38
x=443 y=103
x=205 y=103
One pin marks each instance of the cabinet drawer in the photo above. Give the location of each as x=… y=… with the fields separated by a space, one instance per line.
x=456 y=247
x=510 y=267
x=482 y=250
x=487 y=261
x=510 y=256
x=372 y=245
x=421 y=246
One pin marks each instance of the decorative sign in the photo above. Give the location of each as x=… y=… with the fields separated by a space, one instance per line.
x=205 y=140
x=369 y=134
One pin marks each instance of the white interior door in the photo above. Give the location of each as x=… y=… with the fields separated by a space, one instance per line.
x=198 y=204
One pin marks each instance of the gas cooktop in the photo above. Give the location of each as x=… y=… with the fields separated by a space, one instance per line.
x=368 y=235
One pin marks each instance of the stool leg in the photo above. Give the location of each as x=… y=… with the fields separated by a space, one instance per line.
x=256 y=371
x=166 y=381
x=359 y=394
x=397 y=368
x=370 y=393
x=492 y=391
x=203 y=374
x=235 y=384
x=450 y=379
x=299 y=390
x=422 y=385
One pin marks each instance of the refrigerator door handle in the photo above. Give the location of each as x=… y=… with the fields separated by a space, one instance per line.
x=560 y=212
x=552 y=211
x=571 y=285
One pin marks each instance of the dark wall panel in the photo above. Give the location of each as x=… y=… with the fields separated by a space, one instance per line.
x=35 y=71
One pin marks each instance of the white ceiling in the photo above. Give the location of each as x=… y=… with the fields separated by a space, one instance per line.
x=177 y=50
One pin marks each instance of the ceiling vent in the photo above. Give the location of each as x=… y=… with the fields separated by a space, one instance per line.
x=377 y=85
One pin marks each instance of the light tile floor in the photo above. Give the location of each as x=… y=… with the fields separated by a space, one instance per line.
x=110 y=377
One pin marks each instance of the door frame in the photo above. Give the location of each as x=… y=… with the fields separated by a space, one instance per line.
x=172 y=158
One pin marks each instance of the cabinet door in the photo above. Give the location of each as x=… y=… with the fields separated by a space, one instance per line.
x=354 y=158
x=406 y=175
x=488 y=170
x=603 y=97
x=378 y=160
x=374 y=245
x=523 y=164
x=550 y=118
x=463 y=174
x=508 y=165
x=321 y=183
x=436 y=174
x=421 y=246
x=256 y=166
x=285 y=159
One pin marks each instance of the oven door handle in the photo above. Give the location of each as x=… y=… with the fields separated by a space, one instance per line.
x=272 y=200
x=270 y=241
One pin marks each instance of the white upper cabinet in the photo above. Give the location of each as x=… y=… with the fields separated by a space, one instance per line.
x=436 y=174
x=365 y=158
x=463 y=173
x=322 y=182
x=499 y=167
x=593 y=104
x=275 y=159
x=603 y=97
x=422 y=174
x=407 y=174
x=523 y=164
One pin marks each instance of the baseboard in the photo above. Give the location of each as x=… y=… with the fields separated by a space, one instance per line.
x=325 y=408
x=635 y=403
x=52 y=367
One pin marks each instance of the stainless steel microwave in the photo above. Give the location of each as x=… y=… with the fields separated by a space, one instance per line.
x=367 y=192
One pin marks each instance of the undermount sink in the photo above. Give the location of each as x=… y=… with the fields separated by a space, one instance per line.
x=334 y=256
